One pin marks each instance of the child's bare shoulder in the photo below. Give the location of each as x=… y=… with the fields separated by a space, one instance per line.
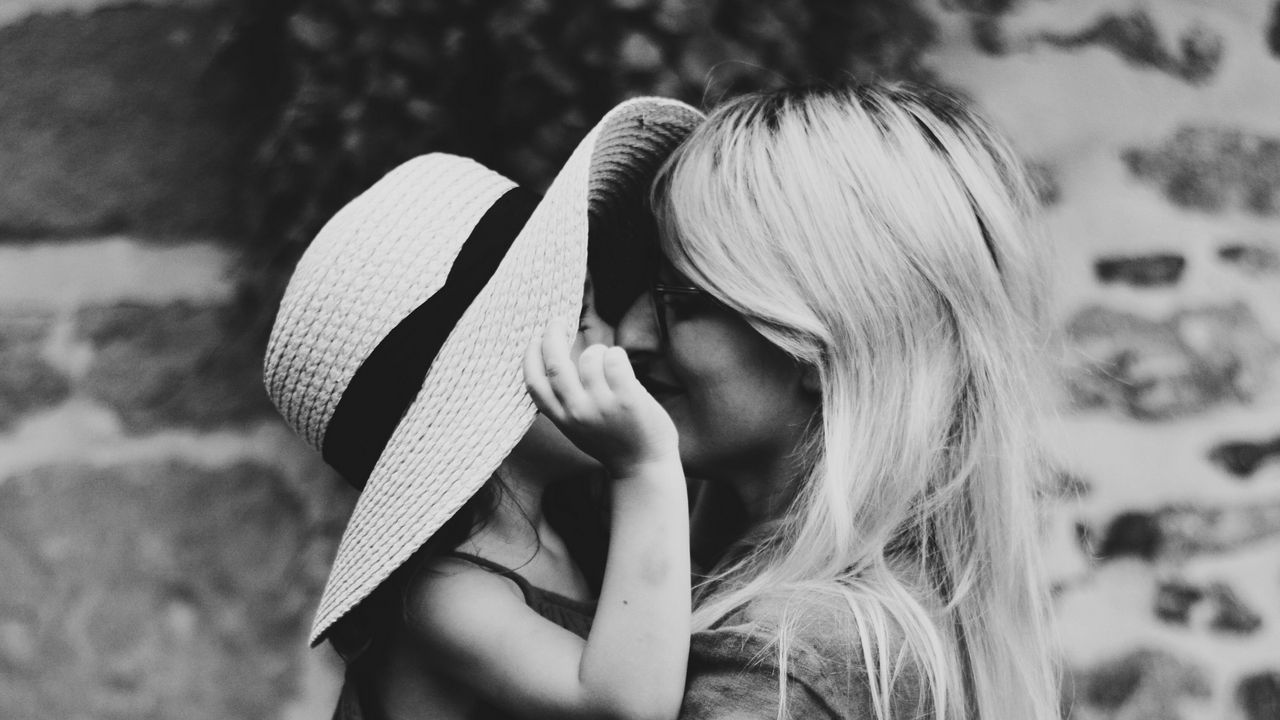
x=451 y=591
x=459 y=609
x=443 y=583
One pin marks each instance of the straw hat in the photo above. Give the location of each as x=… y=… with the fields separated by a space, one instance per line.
x=398 y=345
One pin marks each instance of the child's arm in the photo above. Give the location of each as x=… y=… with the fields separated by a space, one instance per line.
x=636 y=655
x=476 y=627
x=634 y=661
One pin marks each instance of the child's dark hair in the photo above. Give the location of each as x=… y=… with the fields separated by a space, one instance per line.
x=384 y=609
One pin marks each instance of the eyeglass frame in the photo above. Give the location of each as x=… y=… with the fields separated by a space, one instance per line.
x=658 y=289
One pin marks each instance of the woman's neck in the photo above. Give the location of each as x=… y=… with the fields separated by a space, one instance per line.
x=728 y=509
x=764 y=487
x=760 y=500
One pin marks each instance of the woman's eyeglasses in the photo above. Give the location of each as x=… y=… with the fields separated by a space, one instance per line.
x=665 y=297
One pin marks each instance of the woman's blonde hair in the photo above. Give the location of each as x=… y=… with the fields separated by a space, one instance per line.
x=880 y=235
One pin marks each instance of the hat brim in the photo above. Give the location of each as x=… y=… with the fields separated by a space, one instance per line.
x=473 y=408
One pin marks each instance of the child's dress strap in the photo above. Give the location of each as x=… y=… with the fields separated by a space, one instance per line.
x=493 y=567
x=572 y=615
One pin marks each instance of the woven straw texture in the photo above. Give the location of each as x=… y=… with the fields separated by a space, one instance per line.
x=388 y=251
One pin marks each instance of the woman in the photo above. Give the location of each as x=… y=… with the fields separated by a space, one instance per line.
x=846 y=338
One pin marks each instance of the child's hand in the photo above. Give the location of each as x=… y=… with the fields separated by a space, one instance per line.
x=599 y=404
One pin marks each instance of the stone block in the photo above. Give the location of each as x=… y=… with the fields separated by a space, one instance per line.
x=1231 y=613
x=1252 y=258
x=155 y=590
x=1129 y=363
x=1180 y=531
x=1258 y=695
x=1144 y=684
x=1174 y=600
x=27 y=380
x=120 y=120
x=1136 y=38
x=1233 y=353
x=1213 y=169
x=1148 y=369
x=1243 y=457
x=1130 y=534
x=180 y=364
x=1140 y=270
x=14 y=10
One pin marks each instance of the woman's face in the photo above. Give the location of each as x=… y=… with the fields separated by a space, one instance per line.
x=739 y=403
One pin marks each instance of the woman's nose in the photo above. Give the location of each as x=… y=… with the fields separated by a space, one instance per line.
x=637 y=331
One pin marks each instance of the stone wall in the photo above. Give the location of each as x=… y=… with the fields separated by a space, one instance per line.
x=1157 y=126
x=163 y=537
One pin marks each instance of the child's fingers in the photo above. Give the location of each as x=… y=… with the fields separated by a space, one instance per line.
x=591 y=373
x=535 y=379
x=561 y=372
x=618 y=372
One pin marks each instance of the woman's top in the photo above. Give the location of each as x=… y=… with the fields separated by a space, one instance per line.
x=733 y=672
x=356 y=702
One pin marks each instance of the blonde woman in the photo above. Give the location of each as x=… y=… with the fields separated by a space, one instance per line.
x=846 y=337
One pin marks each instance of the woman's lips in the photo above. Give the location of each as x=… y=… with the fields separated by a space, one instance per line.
x=657 y=388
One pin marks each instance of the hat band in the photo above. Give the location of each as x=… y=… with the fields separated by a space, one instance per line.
x=391 y=376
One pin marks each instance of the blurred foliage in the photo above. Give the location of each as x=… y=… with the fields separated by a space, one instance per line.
x=354 y=87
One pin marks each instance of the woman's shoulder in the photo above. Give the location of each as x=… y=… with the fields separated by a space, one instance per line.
x=817 y=632
x=823 y=622
x=740 y=659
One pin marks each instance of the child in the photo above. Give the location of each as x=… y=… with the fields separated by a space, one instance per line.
x=479 y=620
x=414 y=331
